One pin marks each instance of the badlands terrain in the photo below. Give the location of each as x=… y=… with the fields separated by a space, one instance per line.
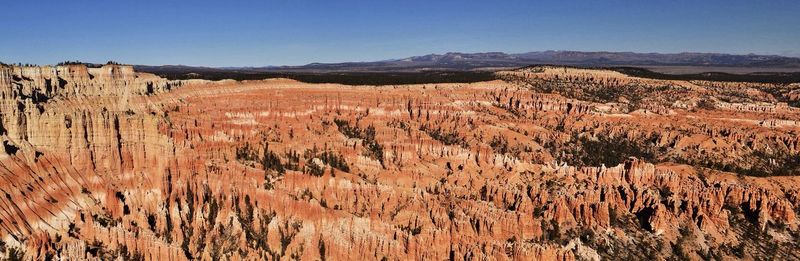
x=542 y=163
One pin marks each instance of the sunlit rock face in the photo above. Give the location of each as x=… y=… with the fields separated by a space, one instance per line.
x=545 y=163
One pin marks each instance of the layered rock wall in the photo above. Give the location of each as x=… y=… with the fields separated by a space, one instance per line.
x=105 y=163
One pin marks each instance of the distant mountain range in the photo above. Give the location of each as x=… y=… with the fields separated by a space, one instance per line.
x=676 y=59
x=468 y=61
x=698 y=62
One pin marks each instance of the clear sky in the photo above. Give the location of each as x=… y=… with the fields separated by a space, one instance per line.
x=294 y=32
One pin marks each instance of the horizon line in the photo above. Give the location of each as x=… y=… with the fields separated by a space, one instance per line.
x=797 y=55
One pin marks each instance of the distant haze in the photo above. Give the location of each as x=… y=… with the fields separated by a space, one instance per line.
x=260 y=33
x=670 y=63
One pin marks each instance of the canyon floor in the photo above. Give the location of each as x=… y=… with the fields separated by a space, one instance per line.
x=543 y=163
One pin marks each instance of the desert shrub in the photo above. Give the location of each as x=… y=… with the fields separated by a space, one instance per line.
x=372 y=148
x=584 y=151
x=499 y=145
x=271 y=161
x=334 y=160
x=313 y=169
x=446 y=137
x=246 y=153
x=706 y=104
x=292 y=161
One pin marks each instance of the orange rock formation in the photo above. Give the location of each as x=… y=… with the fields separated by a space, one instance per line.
x=546 y=164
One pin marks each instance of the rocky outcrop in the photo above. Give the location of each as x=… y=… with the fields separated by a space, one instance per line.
x=101 y=167
x=78 y=81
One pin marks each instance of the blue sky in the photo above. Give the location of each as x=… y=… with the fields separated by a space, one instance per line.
x=293 y=32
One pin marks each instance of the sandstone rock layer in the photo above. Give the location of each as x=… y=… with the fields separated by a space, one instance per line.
x=546 y=164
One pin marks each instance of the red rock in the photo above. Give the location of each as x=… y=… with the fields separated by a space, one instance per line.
x=108 y=162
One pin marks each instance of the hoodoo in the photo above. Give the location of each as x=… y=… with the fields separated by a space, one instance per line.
x=548 y=162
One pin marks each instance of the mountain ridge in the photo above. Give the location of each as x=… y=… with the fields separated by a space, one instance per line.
x=483 y=60
x=471 y=61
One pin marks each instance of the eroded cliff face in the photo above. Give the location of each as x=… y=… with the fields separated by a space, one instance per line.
x=59 y=108
x=549 y=163
x=78 y=81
